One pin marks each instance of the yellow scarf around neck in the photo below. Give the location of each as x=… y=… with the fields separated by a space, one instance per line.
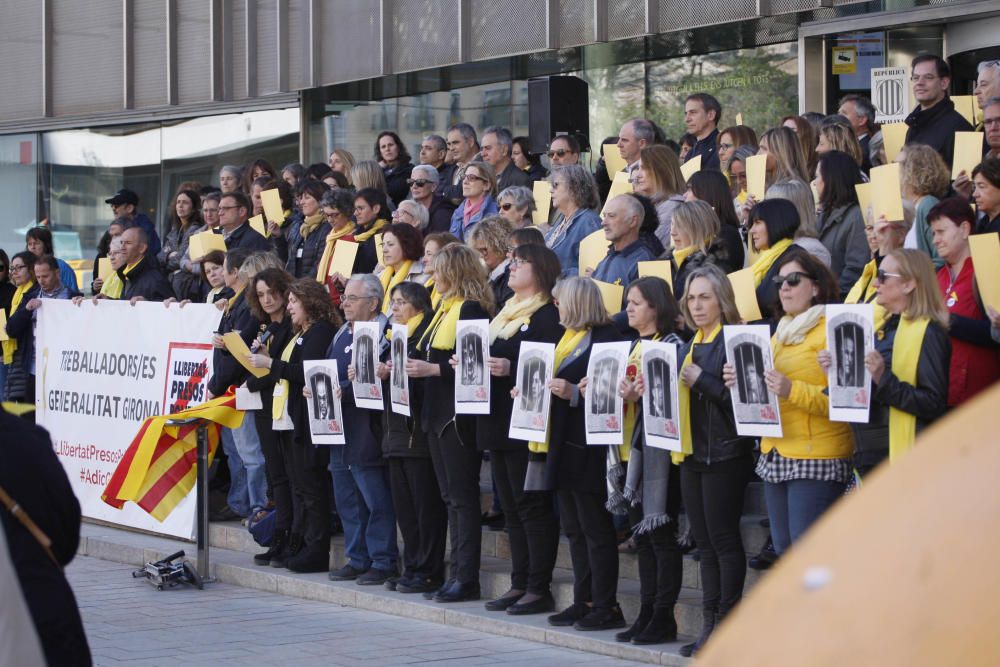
x=630 y=411
x=128 y=269
x=905 y=358
x=411 y=326
x=441 y=332
x=310 y=223
x=435 y=295
x=323 y=268
x=10 y=345
x=684 y=396
x=766 y=259
x=680 y=254
x=371 y=231
x=570 y=339
x=113 y=286
x=516 y=313
x=281 y=389
x=391 y=277
x=864 y=291
x=234 y=298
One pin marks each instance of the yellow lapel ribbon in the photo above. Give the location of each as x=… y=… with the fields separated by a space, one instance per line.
x=766 y=259
x=570 y=340
x=391 y=277
x=10 y=345
x=905 y=358
x=516 y=313
x=684 y=396
x=281 y=389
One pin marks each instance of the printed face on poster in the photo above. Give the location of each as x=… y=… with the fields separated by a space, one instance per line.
x=364 y=356
x=326 y=421
x=399 y=386
x=529 y=419
x=850 y=336
x=603 y=418
x=472 y=379
x=748 y=349
x=660 y=402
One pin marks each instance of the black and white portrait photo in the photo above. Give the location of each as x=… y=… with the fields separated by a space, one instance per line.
x=529 y=417
x=533 y=372
x=849 y=337
x=364 y=356
x=660 y=398
x=399 y=390
x=326 y=422
x=658 y=382
x=398 y=363
x=472 y=379
x=604 y=409
x=748 y=350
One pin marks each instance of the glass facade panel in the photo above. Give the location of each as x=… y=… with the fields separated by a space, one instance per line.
x=18 y=188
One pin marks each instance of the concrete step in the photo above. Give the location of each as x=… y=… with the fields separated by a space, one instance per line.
x=233 y=567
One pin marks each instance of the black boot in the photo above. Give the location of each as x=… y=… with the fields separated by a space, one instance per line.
x=645 y=613
x=277 y=545
x=661 y=628
x=708 y=625
x=292 y=547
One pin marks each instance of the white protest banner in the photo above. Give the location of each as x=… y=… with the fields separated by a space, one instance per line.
x=890 y=94
x=101 y=370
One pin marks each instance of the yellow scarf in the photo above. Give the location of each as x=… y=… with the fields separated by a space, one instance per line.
x=766 y=259
x=441 y=331
x=234 y=298
x=323 y=268
x=680 y=254
x=128 y=269
x=411 y=325
x=905 y=357
x=282 y=388
x=864 y=292
x=113 y=286
x=516 y=313
x=570 y=339
x=435 y=295
x=10 y=345
x=371 y=231
x=310 y=223
x=684 y=396
x=391 y=277
x=630 y=418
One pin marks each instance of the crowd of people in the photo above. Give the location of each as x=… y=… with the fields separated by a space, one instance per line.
x=458 y=243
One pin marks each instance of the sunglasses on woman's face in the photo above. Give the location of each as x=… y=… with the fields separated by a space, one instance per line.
x=882 y=276
x=419 y=182
x=793 y=279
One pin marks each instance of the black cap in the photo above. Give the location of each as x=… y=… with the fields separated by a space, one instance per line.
x=123 y=197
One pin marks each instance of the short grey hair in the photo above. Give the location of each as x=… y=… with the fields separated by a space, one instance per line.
x=988 y=64
x=231 y=169
x=519 y=196
x=438 y=141
x=991 y=101
x=503 y=135
x=371 y=286
x=418 y=211
x=643 y=130
x=467 y=131
x=633 y=206
x=432 y=173
x=580 y=183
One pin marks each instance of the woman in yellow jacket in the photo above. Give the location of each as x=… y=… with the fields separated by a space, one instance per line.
x=808 y=468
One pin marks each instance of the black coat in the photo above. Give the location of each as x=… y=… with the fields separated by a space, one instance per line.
x=511 y=175
x=247 y=237
x=402 y=436
x=501 y=290
x=278 y=335
x=145 y=280
x=572 y=464
x=35 y=479
x=362 y=427
x=395 y=181
x=310 y=345
x=20 y=327
x=767 y=292
x=304 y=253
x=492 y=429
x=735 y=250
x=713 y=429
x=227 y=371
x=7 y=290
x=718 y=254
x=439 y=214
x=936 y=127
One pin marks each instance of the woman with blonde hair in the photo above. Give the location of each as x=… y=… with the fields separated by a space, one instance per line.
x=368 y=174
x=695 y=237
x=785 y=160
x=803 y=129
x=925 y=180
x=343 y=161
x=837 y=137
x=801 y=195
x=460 y=277
x=659 y=177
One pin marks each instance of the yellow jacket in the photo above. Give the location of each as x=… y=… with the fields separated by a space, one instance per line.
x=808 y=431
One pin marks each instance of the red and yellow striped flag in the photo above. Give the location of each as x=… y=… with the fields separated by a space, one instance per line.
x=159 y=467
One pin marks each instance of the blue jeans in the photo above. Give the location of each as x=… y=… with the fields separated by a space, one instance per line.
x=364 y=504
x=794 y=505
x=238 y=498
x=3 y=381
x=250 y=452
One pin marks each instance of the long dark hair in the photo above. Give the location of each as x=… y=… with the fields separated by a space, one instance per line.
x=657 y=293
x=404 y=155
x=711 y=187
x=195 y=218
x=315 y=300
x=278 y=280
x=840 y=175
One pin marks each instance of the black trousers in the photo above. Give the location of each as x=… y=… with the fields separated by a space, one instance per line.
x=661 y=565
x=421 y=515
x=276 y=471
x=593 y=547
x=713 y=498
x=456 y=466
x=310 y=482
x=531 y=522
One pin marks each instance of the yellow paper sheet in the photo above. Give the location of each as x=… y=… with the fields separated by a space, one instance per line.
x=203 y=243
x=739 y=119
x=746 y=294
x=613 y=160
x=593 y=249
x=986 y=262
x=966 y=105
x=272 y=205
x=104 y=268
x=886 y=197
x=258 y=224
x=619 y=186
x=968 y=153
x=893 y=138
x=240 y=352
x=864 y=191
x=543 y=202
x=756 y=166
x=378 y=249
x=3 y=325
x=657 y=269
x=342 y=261
x=612 y=296
x=690 y=167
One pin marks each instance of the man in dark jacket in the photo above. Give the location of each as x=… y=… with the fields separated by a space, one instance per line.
x=234 y=210
x=498 y=143
x=934 y=122
x=125 y=204
x=141 y=274
x=34 y=479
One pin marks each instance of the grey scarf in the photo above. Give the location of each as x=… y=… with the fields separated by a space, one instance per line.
x=646 y=481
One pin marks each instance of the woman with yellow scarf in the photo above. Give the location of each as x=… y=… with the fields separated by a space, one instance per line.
x=402 y=250
x=307 y=238
x=716 y=463
x=529 y=315
x=371 y=213
x=580 y=473
x=465 y=295
x=432 y=246
x=18 y=352
x=694 y=236
x=773 y=224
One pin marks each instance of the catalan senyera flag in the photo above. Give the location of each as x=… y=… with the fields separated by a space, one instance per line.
x=159 y=467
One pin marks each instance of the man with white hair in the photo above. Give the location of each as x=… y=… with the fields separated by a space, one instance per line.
x=987 y=83
x=411 y=213
x=623 y=220
x=423 y=182
x=635 y=135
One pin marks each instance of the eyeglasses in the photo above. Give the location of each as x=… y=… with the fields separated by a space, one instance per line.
x=17 y=267
x=207 y=211
x=419 y=182
x=793 y=279
x=516 y=262
x=228 y=208
x=726 y=147
x=506 y=206
x=881 y=275
x=473 y=177
x=559 y=152
x=354 y=298
x=926 y=78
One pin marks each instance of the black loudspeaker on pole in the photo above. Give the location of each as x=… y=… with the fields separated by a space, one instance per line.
x=557 y=105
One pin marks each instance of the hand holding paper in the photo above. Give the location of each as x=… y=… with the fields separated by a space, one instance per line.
x=240 y=351
x=756 y=176
x=746 y=294
x=542 y=191
x=271 y=201
x=593 y=249
x=887 y=198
